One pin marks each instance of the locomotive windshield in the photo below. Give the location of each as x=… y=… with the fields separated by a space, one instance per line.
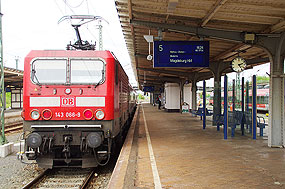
x=58 y=71
x=49 y=71
x=86 y=71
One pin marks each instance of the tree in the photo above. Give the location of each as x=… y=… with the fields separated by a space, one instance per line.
x=262 y=79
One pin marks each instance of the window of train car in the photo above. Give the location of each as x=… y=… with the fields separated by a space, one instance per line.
x=48 y=71
x=87 y=71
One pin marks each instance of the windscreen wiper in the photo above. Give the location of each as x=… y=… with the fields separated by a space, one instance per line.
x=97 y=84
x=35 y=76
x=103 y=75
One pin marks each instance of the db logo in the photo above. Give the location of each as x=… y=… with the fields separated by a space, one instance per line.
x=70 y=101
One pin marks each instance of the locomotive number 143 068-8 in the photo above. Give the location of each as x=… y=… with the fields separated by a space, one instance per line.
x=67 y=114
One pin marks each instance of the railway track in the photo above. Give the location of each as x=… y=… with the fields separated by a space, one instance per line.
x=62 y=178
x=17 y=126
x=13 y=121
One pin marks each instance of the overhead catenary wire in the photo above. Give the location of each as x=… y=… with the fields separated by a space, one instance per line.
x=67 y=5
x=87 y=6
x=59 y=7
x=76 y=5
x=112 y=41
x=91 y=33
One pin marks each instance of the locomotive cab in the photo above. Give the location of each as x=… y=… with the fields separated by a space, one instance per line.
x=75 y=107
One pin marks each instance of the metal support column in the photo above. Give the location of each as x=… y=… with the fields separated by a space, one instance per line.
x=17 y=62
x=242 y=105
x=20 y=97
x=194 y=95
x=2 y=87
x=204 y=104
x=226 y=107
x=247 y=96
x=4 y=94
x=276 y=122
x=234 y=95
x=181 y=95
x=100 y=27
x=238 y=90
x=254 y=112
x=217 y=97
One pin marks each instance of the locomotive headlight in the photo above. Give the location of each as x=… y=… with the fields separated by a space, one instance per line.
x=94 y=140
x=35 y=114
x=88 y=114
x=67 y=91
x=46 y=114
x=34 y=140
x=99 y=114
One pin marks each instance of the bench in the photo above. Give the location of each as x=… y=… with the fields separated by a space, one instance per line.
x=260 y=122
x=234 y=118
x=219 y=120
x=248 y=120
x=199 y=112
x=237 y=118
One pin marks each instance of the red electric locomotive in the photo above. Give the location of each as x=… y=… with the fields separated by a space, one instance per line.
x=76 y=105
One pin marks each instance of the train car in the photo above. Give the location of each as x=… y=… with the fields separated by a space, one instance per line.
x=76 y=105
x=262 y=99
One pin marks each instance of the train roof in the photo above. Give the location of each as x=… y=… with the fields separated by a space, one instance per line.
x=70 y=53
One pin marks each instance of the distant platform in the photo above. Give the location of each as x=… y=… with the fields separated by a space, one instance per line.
x=12 y=112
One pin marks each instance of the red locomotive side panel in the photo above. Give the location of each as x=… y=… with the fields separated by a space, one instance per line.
x=121 y=92
x=71 y=99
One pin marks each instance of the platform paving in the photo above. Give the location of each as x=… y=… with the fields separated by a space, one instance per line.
x=186 y=156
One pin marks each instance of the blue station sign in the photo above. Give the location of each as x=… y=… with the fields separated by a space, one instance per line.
x=181 y=54
x=148 y=88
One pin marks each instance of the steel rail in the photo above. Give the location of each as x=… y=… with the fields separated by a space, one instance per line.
x=14 y=127
x=87 y=180
x=37 y=179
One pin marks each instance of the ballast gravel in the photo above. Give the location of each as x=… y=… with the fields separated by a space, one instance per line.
x=14 y=174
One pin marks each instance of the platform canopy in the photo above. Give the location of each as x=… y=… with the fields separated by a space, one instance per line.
x=13 y=78
x=233 y=27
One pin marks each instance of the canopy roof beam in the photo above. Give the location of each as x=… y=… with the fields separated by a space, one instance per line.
x=176 y=73
x=263 y=40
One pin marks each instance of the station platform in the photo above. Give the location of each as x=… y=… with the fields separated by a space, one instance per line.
x=12 y=116
x=12 y=113
x=171 y=150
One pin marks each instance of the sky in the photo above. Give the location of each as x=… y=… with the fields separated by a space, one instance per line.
x=33 y=25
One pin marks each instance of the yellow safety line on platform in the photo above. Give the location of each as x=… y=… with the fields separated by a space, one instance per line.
x=155 y=174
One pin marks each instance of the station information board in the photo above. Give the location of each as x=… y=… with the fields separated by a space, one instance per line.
x=181 y=54
x=148 y=88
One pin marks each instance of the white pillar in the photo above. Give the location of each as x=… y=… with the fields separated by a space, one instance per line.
x=276 y=103
x=187 y=94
